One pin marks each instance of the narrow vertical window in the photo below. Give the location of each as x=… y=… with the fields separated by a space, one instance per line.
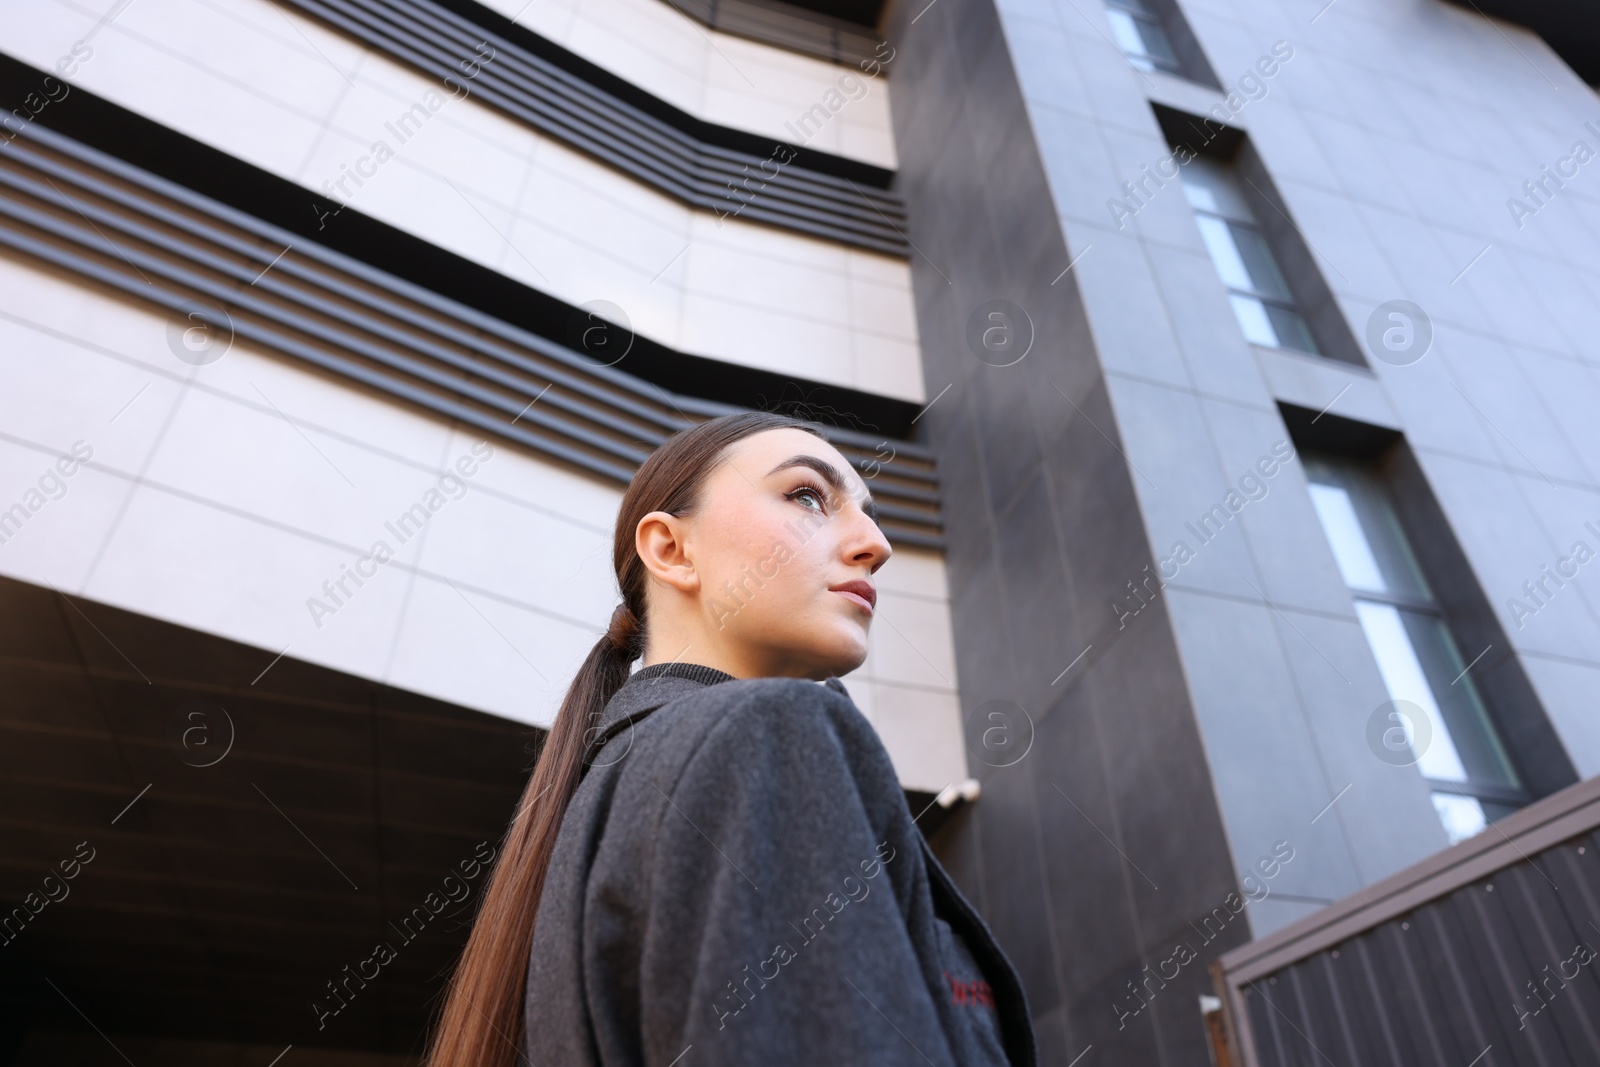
x=1141 y=37
x=1465 y=764
x=1260 y=296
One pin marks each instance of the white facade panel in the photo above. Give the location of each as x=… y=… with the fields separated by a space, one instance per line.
x=311 y=106
x=236 y=498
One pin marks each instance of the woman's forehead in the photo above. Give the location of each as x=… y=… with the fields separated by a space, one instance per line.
x=756 y=457
x=771 y=447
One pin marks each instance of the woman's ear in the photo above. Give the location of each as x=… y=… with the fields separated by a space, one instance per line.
x=661 y=541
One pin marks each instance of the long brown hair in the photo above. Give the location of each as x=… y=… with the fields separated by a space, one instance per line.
x=481 y=1024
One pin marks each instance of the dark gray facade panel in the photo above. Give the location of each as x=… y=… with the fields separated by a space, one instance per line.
x=1093 y=850
x=769 y=186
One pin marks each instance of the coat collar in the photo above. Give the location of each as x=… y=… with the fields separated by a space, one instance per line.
x=646 y=690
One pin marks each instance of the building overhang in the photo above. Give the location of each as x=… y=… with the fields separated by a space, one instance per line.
x=1570 y=27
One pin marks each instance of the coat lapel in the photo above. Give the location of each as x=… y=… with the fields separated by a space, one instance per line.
x=1015 y=1021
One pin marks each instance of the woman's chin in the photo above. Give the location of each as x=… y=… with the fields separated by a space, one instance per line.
x=821 y=648
x=849 y=650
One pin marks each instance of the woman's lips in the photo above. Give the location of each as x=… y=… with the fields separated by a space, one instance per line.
x=855 y=598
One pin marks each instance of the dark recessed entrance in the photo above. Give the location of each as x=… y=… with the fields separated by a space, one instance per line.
x=188 y=860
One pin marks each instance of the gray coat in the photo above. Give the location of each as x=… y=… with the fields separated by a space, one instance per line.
x=739 y=881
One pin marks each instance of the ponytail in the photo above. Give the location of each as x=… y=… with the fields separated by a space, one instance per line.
x=481 y=1022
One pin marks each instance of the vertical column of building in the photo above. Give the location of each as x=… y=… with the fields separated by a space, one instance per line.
x=1220 y=562
x=1098 y=836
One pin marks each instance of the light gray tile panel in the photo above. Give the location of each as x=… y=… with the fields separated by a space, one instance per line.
x=1505 y=543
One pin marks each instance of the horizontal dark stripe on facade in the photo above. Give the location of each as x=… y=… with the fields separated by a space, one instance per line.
x=156 y=241
x=786 y=26
x=757 y=182
x=159 y=150
x=481 y=14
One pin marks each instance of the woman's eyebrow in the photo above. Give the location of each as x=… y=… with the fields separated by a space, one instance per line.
x=831 y=475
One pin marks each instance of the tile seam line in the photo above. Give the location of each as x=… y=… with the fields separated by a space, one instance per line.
x=1307 y=719
x=325 y=123
x=362 y=445
x=1113 y=808
x=1496 y=464
x=367 y=51
x=135 y=483
x=137 y=479
x=402 y=617
x=1253 y=558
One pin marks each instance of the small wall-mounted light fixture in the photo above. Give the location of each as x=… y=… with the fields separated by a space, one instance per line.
x=957 y=791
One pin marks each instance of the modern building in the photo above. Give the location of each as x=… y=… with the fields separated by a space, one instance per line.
x=1224 y=369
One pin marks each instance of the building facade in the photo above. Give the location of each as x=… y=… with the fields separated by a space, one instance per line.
x=1224 y=372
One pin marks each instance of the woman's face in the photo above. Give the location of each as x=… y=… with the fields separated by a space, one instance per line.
x=749 y=582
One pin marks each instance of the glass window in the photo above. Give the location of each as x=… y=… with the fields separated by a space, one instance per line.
x=1404 y=678
x=1138 y=31
x=1471 y=775
x=1357 y=564
x=1260 y=296
x=1462 y=816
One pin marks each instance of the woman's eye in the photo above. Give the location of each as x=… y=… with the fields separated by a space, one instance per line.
x=808 y=491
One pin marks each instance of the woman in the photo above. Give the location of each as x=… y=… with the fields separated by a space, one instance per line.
x=724 y=865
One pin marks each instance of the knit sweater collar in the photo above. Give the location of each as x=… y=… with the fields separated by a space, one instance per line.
x=645 y=690
x=677 y=669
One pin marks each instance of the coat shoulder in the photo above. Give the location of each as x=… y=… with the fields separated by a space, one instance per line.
x=766 y=712
x=784 y=744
